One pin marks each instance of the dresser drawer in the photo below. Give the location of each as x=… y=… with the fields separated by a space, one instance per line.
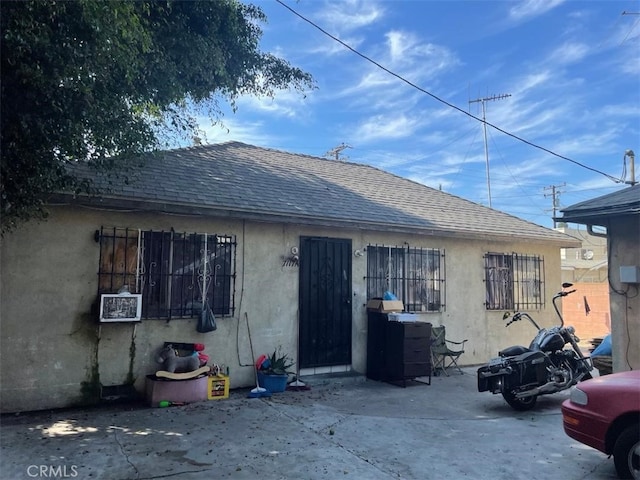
x=415 y=350
x=417 y=330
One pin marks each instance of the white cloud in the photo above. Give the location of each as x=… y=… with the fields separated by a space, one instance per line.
x=349 y=15
x=527 y=9
x=406 y=55
x=570 y=52
x=329 y=47
x=597 y=142
x=381 y=127
x=406 y=49
x=531 y=81
x=230 y=129
x=285 y=104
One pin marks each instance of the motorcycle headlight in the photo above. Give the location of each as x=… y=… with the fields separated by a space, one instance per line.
x=578 y=396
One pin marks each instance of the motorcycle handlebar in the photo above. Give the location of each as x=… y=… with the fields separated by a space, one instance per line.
x=515 y=318
x=564 y=294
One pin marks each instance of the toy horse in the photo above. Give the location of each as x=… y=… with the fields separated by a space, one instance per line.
x=175 y=364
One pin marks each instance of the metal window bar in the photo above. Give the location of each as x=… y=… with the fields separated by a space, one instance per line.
x=514 y=281
x=119 y=259
x=175 y=272
x=499 y=281
x=415 y=275
x=528 y=281
x=382 y=266
x=424 y=280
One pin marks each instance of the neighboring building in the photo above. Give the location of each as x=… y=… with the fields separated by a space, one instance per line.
x=619 y=213
x=586 y=267
x=287 y=250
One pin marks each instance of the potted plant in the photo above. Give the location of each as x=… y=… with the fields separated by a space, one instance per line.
x=273 y=370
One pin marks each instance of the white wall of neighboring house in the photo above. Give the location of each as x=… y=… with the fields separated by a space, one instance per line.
x=587 y=268
x=53 y=351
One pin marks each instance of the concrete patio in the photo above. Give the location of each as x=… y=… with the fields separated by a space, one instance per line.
x=343 y=427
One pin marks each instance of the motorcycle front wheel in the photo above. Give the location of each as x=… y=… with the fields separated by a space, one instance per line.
x=519 y=404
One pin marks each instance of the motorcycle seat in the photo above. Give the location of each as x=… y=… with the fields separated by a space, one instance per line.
x=513 y=351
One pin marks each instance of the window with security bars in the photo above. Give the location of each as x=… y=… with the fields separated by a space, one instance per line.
x=514 y=281
x=414 y=275
x=176 y=273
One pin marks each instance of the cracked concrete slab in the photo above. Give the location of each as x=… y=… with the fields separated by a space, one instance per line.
x=344 y=427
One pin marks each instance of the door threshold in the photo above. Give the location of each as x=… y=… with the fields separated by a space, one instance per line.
x=331 y=369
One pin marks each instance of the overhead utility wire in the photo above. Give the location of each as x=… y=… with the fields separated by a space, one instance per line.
x=408 y=82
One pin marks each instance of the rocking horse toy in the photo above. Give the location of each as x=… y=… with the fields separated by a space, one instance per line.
x=176 y=367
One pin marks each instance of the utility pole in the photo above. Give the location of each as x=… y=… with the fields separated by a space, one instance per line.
x=484 y=125
x=555 y=194
x=335 y=152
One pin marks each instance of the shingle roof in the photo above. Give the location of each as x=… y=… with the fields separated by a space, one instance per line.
x=245 y=181
x=597 y=210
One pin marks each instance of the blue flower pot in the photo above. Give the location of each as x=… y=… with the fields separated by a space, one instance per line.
x=273 y=383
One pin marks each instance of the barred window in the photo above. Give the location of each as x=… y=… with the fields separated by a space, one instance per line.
x=514 y=281
x=414 y=275
x=175 y=272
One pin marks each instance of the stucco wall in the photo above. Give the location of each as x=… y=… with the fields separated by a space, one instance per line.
x=55 y=354
x=624 y=245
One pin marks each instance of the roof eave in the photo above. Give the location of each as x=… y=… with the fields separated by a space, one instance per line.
x=124 y=205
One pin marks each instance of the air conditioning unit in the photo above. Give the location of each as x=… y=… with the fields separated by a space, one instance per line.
x=120 y=307
x=587 y=254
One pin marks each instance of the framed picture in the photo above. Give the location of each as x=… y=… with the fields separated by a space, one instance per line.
x=120 y=307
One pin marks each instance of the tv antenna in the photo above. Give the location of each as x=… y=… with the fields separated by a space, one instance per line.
x=484 y=125
x=335 y=151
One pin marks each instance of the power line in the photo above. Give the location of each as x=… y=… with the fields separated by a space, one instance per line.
x=435 y=97
x=633 y=27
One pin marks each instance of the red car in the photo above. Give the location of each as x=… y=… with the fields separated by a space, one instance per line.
x=604 y=413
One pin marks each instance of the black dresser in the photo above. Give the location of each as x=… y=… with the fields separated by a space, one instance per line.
x=397 y=351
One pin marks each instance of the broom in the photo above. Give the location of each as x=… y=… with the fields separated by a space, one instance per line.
x=258 y=391
x=297 y=385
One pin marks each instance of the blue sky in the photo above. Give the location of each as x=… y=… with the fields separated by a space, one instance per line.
x=571 y=68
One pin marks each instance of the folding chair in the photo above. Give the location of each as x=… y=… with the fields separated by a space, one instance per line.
x=442 y=356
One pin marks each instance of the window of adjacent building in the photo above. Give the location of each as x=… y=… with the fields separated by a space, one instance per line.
x=175 y=272
x=414 y=275
x=514 y=281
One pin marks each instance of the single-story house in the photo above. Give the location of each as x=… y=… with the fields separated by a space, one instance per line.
x=285 y=249
x=619 y=213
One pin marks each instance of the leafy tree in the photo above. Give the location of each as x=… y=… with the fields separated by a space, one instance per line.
x=102 y=82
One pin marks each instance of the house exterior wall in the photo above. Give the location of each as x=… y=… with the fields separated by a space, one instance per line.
x=624 y=244
x=54 y=353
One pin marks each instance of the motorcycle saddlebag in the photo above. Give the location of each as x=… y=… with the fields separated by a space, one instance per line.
x=512 y=372
x=490 y=375
x=528 y=368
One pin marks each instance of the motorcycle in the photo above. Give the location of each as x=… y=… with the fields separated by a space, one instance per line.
x=521 y=374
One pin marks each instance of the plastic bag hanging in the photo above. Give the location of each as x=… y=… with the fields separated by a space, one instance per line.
x=207 y=321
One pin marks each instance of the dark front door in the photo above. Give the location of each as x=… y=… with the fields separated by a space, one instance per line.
x=325 y=302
